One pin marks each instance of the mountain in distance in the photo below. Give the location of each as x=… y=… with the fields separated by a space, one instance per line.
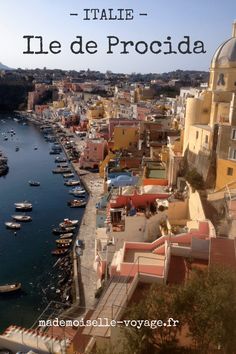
x=4 y=67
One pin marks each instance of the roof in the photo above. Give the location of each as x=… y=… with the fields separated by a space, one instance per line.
x=223 y=252
x=225 y=55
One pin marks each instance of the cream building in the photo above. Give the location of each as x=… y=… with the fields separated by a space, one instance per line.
x=210 y=121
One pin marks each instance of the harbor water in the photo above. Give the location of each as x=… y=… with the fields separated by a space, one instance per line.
x=25 y=256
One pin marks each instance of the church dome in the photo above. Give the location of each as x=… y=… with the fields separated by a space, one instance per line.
x=225 y=55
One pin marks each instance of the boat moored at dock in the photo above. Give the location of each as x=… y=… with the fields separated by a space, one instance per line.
x=77 y=203
x=59 y=252
x=68 y=223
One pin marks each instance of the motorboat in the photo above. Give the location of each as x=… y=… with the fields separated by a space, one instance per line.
x=77 y=203
x=23 y=218
x=60 y=159
x=72 y=183
x=61 y=170
x=79 y=192
x=8 y=288
x=17 y=148
x=68 y=223
x=12 y=225
x=66 y=236
x=61 y=241
x=59 y=252
x=63 y=245
x=23 y=206
x=34 y=183
x=60 y=230
x=68 y=175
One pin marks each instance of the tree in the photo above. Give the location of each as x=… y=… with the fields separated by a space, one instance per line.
x=205 y=307
x=195 y=179
x=208 y=303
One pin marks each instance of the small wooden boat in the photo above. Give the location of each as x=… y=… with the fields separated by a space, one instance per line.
x=59 y=252
x=12 y=225
x=68 y=223
x=34 y=183
x=60 y=230
x=24 y=218
x=68 y=241
x=72 y=183
x=65 y=236
x=23 y=206
x=8 y=288
x=76 y=203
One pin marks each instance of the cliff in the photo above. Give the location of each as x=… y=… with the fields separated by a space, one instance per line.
x=13 y=95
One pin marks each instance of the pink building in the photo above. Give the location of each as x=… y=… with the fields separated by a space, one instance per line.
x=94 y=152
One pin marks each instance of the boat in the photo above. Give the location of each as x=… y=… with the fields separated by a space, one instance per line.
x=80 y=243
x=68 y=175
x=54 y=152
x=65 y=236
x=72 y=183
x=68 y=223
x=60 y=230
x=60 y=159
x=63 y=245
x=12 y=225
x=63 y=165
x=9 y=288
x=61 y=241
x=6 y=138
x=17 y=148
x=23 y=206
x=23 y=218
x=35 y=148
x=76 y=203
x=61 y=170
x=59 y=252
x=79 y=192
x=34 y=183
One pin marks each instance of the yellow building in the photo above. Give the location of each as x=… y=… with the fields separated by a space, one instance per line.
x=210 y=121
x=58 y=104
x=126 y=137
x=96 y=111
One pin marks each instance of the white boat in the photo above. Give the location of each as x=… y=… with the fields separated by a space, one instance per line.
x=65 y=236
x=79 y=192
x=72 y=183
x=12 y=225
x=23 y=206
x=34 y=183
x=68 y=223
x=23 y=218
x=68 y=175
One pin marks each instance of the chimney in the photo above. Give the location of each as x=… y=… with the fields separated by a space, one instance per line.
x=234 y=29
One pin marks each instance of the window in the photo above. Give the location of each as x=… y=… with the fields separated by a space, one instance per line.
x=197 y=133
x=230 y=171
x=233 y=135
x=206 y=139
x=232 y=154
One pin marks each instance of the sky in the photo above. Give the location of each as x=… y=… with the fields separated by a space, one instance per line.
x=209 y=21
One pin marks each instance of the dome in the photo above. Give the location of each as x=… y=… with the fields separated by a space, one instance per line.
x=225 y=56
